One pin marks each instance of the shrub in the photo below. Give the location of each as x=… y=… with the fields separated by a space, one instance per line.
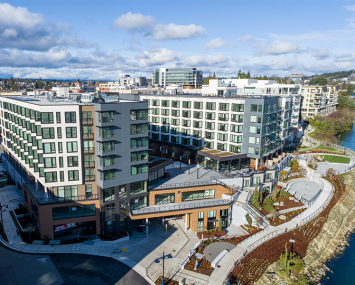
x=248 y=218
x=212 y=239
x=284 y=193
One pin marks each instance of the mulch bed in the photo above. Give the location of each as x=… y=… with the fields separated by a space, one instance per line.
x=204 y=268
x=288 y=204
x=168 y=281
x=251 y=268
x=289 y=216
x=211 y=234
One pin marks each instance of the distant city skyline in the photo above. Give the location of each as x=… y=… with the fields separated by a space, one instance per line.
x=102 y=40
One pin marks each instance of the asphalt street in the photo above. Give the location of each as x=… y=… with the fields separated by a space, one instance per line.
x=59 y=269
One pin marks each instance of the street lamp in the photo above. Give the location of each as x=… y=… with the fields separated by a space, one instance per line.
x=4 y=206
x=163 y=257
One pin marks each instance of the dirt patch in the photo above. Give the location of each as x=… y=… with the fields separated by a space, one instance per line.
x=289 y=216
x=205 y=267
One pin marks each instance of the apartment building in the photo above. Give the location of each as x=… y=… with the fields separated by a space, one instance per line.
x=82 y=167
x=221 y=133
x=297 y=78
x=189 y=78
x=319 y=100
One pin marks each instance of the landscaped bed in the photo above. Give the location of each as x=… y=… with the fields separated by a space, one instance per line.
x=167 y=280
x=214 y=233
x=322 y=149
x=250 y=269
x=336 y=159
x=284 y=197
x=205 y=267
x=289 y=216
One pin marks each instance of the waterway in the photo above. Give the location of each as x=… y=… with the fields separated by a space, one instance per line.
x=343 y=266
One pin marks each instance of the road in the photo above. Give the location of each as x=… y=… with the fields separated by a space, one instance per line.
x=59 y=269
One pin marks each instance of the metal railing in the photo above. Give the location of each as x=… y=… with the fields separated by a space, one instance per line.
x=262 y=240
x=185 y=184
x=182 y=206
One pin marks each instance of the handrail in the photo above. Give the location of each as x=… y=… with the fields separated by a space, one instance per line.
x=185 y=184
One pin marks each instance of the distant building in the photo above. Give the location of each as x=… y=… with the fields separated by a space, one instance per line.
x=297 y=78
x=187 y=77
x=61 y=91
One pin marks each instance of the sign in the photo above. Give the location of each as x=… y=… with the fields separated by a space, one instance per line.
x=63 y=227
x=73 y=208
x=109 y=223
x=123 y=189
x=207 y=191
x=136 y=200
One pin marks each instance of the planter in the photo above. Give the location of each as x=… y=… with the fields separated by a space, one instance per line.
x=213 y=234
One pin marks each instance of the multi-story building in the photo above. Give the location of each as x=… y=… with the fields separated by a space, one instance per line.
x=82 y=166
x=226 y=133
x=319 y=100
x=187 y=77
x=297 y=78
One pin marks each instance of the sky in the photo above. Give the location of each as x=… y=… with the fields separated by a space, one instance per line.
x=105 y=39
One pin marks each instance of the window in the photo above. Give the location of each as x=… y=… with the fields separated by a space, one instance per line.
x=58 y=117
x=165 y=120
x=139 y=115
x=165 y=103
x=235 y=139
x=60 y=147
x=186 y=123
x=155 y=119
x=108 y=194
x=139 y=155
x=210 y=106
x=238 y=107
x=252 y=129
x=260 y=108
x=88 y=191
x=211 y=214
x=107 y=175
x=72 y=146
x=38 y=131
x=107 y=160
x=139 y=169
x=50 y=162
x=198 y=115
x=209 y=144
x=140 y=142
x=251 y=150
x=222 y=146
x=87 y=116
x=138 y=187
x=89 y=173
x=87 y=132
x=210 y=116
x=222 y=137
x=246 y=183
x=139 y=202
x=70 y=117
x=88 y=159
x=175 y=104
x=107 y=146
x=185 y=132
x=122 y=191
x=175 y=139
x=175 y=113
x=197 y=134
x=155 y=102
x=165 y=129
x=235 y=148
x=197 y=143
x=197 y=195
x=107 y=132
x=164 y=198
x=47 y=118
x=51 y=176
x=253 y=119
x=75 y=211
x=73 y=175
x=223 y=127
x=139 y=129
x=237 y=118
x=223 y=117
x=155 y=128
x=49 y=148
x=253 y=108
x=198 y=105
x=72 y=161
x=223 y=106
x=106 y=117
x=59 y=132
x=236 y=128
x=71 y=132
x=61 y=161
x=165 y=112
x=198 y=124
x=155 y=111
x=209 y=135
x=209 y=126
x=186 y=104
x=48 y=133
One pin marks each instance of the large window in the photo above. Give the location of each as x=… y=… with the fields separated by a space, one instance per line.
x=238 y=107
x=138 y=187
x=139 y=169
x=139 y=155
x=139 y=115
x=107 y=175
x=75 y=211
x=47 y=118
x=197 y=195
x=210 y=106
x=71 y=132
x=51 y=176
x=223 y=106
x=89 y=173
x=164 y=198
x=88 y=159
x=107 y=160
x=48 y=133
x=108 y=194
x=140 y=142
x=107 y=146
x=88 y=145
x=139 y=129
x=72 y=146
x=49 y=148
x=107 y=132
x=70 y=117
x=72 y=161
x=87 y=116
x=106 y=117
x=50 y=162
x=235 y=148
x=139 y=202
x=87 y=132
x=237 y=128
x=237 y=118
x=186 y=104
x=198 y=105
x=236 y=139
x=73 y=175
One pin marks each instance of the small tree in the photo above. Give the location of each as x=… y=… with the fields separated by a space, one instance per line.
x=283 y=175
x=248 y=218
x=220 y=224
x=255 y=200
x=274 y=194
x=261 y=195
x=302 y=171
x=274 y=214
x=314 y=163
x=330 y=173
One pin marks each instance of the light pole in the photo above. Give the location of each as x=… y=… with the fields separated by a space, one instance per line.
x=4 y=206
x=163 y=257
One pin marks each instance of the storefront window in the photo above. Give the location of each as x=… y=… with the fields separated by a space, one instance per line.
x=197 y=195
x=139 y=202
x=164 y=198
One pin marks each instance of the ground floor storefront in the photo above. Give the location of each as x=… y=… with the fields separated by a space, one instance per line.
x=221 y=166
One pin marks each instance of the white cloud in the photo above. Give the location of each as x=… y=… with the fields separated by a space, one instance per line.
x=131 y=21
x=346 y=57
x=149 y=26
x=25 y=30
x=248 y=38
x=210 y=60
x=177 y=32
x=156 y=57
x=277 y=48
x=321 y=53
x=216 y=43
x=350 y=8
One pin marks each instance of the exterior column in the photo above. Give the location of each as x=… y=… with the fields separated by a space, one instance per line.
x=146 y=226
x=185 y=222
x=256 y=163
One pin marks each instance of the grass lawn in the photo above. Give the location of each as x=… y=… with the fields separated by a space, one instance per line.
x=329 y=148
x=336 y=159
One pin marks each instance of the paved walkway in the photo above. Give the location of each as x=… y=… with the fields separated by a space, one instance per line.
x=212 y=251
x=228 y=262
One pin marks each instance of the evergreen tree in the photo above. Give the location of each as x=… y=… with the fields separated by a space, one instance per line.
x=261 y=195
x=274 y=194
x=255 y=200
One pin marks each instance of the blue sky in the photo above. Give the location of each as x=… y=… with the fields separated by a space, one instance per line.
x=105 y=39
